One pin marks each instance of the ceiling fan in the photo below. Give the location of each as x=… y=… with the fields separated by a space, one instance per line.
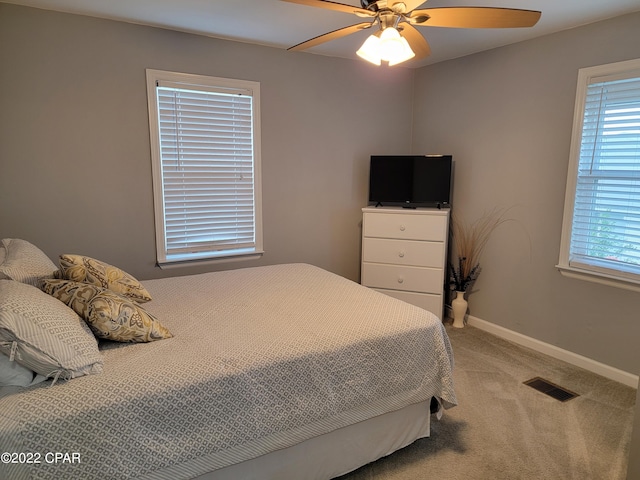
x=397 y=40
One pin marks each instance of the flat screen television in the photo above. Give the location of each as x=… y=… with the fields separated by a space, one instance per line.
x=410 y=180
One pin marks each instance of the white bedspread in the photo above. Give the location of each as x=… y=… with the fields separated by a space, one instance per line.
x=261 y=359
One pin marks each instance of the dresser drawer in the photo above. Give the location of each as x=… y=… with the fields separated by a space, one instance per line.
x=400 y=277
x=407 y=226
x=428 y=301
x=403 y=252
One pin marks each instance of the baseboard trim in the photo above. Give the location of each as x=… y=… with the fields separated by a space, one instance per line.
x=606 y=371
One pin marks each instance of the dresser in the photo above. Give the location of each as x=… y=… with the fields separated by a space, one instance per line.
x=404 y=254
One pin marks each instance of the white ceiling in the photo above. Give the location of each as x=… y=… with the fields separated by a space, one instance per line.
x=281 y=24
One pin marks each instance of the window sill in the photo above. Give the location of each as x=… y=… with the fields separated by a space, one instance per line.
x=190 y=261
x=603 y=279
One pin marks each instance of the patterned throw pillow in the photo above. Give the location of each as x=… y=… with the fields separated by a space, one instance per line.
x=89 y=270
x=44 y=335
x=109 y=315
x=24 y=262
x=73 y=294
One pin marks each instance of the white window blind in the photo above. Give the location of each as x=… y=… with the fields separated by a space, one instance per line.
x=207 y=169
x=605 y=223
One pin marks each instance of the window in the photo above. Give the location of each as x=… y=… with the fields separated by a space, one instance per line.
x=601 y=226
x=205 y=150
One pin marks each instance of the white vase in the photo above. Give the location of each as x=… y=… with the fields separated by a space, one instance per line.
x=459 y=307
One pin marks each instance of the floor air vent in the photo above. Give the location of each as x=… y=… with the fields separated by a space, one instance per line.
x=551 y=389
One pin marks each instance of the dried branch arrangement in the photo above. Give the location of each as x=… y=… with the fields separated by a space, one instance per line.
x=469 y=241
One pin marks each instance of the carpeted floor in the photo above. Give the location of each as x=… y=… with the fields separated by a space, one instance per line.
x=504 y=430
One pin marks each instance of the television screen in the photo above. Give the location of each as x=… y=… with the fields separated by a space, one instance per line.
x=410 y=180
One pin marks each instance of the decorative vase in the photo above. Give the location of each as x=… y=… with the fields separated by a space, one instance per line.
x=459 y=307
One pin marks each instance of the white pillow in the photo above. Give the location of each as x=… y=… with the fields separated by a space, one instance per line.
x=44 y=335
x=14 y=374
x=24 y=262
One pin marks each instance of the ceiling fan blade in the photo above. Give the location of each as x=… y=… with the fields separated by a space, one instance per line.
x=340 y=7
x=341 y=32
x=475 y=17
x=416 y=41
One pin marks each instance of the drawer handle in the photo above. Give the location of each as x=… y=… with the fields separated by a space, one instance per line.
x=401 y=254
x=402 y=228
x=400 y=280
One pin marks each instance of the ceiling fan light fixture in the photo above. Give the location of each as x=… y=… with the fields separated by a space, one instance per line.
x=407 y=54
x=370 y=50
x=393 y=47
x=387 y=45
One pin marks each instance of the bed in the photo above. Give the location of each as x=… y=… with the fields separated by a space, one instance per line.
x=284 y=371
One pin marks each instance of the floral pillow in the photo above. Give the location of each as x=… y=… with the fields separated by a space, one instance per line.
x=109 y=315
x=73 y=294
x=79 y=268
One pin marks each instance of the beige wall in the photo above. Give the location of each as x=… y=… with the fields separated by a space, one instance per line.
x=75 y=168
x=506 y=116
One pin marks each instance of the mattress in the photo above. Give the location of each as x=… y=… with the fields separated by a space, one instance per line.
x=261 y=359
